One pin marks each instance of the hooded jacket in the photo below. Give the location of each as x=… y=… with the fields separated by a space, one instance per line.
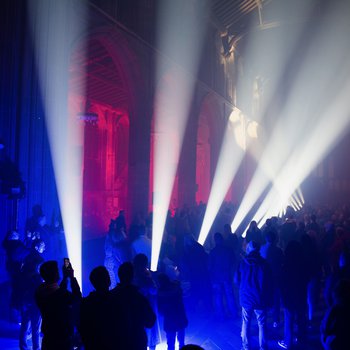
x=255 y=282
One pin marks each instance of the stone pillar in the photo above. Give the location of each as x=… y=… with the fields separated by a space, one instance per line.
x=139 y=160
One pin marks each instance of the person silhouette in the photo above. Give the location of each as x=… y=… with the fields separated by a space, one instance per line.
x=335 y=324
x=134 y=310
x=171 y=306
x=98 y=325
x=56 y=305
x=254 y=278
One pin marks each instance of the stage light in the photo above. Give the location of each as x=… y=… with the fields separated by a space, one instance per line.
x=180 y=36
x=52 y=24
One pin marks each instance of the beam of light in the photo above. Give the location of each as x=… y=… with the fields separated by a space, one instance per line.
x=332 y=122
x=297 y=200
x=274 y=67
x=52 y=23
x=301 y=196
x=293 y=204
x=314 y=149
x=245 y=230
x=228 y=163
x=180 y=36
x=303 y=112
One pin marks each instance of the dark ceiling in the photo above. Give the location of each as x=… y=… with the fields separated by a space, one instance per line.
x=228 y=13
x=96 y=72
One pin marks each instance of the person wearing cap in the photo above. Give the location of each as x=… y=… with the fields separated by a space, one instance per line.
x=254 y=278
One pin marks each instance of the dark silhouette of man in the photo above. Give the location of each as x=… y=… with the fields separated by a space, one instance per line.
x=29 y=282
x=171 y=306
x=134 y=309
x=254 y=279
x=254 y=234
x=343 y=272
x=56 y=306
x=32 y=223
x=288 y=229
x=293 y=285
x=275 y=258
x=221 y=265
x=98 y=324
x=335 y=324
x=195 y=268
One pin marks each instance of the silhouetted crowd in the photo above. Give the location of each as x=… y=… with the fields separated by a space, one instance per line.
x=284 y=273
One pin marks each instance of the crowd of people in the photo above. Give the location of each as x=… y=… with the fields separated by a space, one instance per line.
x=284 y=273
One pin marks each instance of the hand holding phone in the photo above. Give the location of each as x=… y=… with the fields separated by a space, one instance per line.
x=67 y=268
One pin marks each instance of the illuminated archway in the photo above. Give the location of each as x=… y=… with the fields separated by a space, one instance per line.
x=104 y=111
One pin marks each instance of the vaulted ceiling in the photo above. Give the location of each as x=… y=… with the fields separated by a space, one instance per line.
x=94 y=71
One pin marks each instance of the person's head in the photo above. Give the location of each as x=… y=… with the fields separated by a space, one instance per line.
x=218 y=238
x=100 y=279
x=140 y=261
x=141 y=230
x=126 y=273
x=49 y=271
x=290 y=212
x=192 y=347
x=253 y=225
x=252 y=246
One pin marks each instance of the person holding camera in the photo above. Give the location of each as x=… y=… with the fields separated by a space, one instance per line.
x=56 y=305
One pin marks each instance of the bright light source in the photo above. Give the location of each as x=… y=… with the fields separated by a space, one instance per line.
x=229 y=161
x=53 y=23
x=310 y=109
x=180 y=37
x=301 y=196
x=252 y=129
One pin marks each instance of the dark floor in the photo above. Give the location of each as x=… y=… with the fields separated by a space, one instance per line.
x=225 y=335
x=203 y=330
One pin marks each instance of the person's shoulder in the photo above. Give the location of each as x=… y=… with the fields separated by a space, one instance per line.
x=124 y=290
x=40 y=289
x=92 y=295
